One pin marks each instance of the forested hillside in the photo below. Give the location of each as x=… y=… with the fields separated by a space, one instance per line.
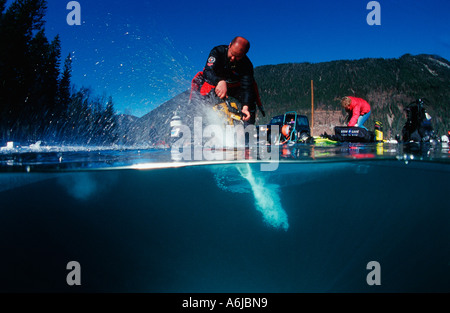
x=388 y=85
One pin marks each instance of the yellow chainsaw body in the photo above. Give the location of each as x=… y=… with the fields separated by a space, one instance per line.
x=231 y=117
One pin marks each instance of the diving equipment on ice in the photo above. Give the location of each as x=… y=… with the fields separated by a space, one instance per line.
x=418 y=126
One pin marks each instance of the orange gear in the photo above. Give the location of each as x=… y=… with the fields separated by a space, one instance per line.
x=286 y=131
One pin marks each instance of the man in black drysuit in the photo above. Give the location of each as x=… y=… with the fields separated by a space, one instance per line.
x=229 y=72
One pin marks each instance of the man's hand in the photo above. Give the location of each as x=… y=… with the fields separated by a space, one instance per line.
x=246 y=113
x=221 y=89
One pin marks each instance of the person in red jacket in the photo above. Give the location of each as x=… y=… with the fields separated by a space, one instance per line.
x=358 y=109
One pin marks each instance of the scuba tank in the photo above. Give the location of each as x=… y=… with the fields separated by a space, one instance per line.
x=378 y=131
x=175 y=124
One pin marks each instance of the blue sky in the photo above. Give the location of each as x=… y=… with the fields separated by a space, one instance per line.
x=145 y=52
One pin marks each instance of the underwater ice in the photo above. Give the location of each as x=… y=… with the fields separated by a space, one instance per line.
x=80 y=186
x=267 y=199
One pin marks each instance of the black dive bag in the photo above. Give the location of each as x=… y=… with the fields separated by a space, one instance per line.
x=353 y=134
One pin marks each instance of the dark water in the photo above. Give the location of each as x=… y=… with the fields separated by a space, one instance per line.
x=312 y=225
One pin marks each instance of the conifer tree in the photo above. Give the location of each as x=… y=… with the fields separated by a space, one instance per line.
x=21 y=21
x=64 y=98
x=64 y=84
x=110 y=118
x=35 y=102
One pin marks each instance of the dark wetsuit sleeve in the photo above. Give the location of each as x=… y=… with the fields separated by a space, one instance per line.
x=212 y=64
x=247 y=89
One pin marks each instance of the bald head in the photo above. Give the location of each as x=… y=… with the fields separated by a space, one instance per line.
x=238 y=48
x=241 y=43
